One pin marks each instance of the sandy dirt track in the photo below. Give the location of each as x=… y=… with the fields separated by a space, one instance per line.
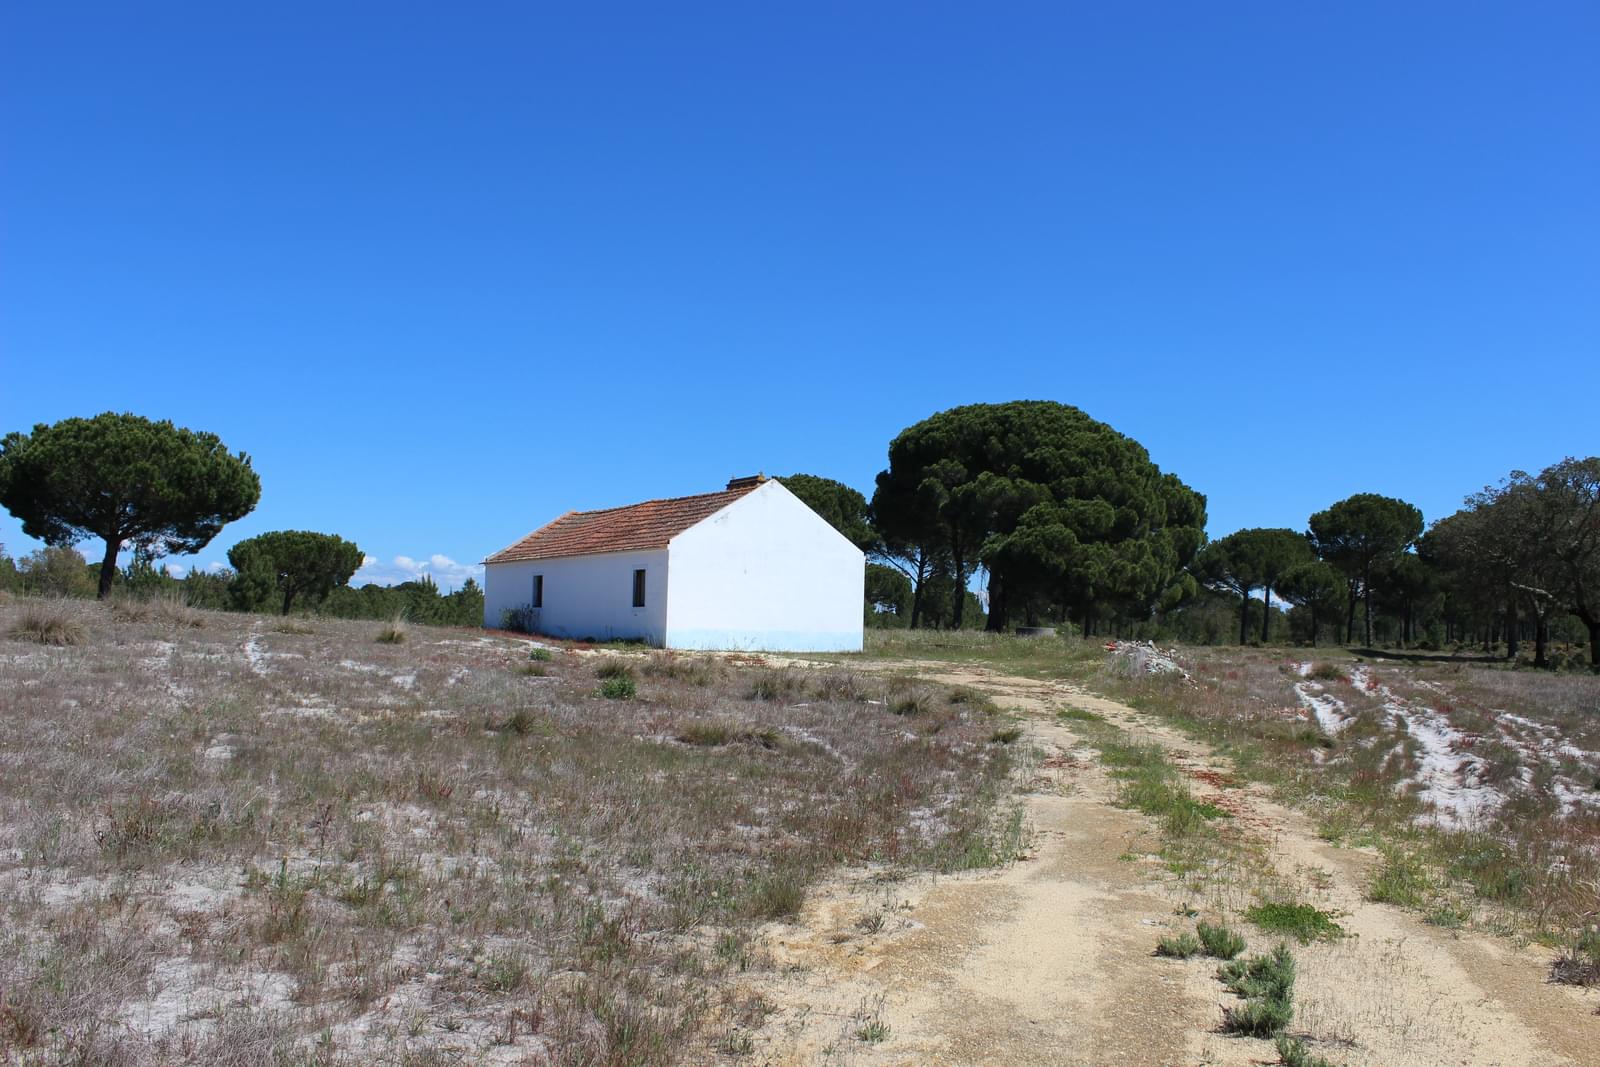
x=1049 y=961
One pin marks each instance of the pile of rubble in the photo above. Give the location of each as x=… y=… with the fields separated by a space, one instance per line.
x=1145 y=658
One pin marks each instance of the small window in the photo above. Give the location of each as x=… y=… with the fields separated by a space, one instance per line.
x=638 y=588
x=538 y=590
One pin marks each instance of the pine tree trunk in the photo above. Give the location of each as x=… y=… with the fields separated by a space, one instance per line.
x=1541 y=640
x=1594 y=644
x=1244 y=618
x=108 y=567
x=1513 y=644
x=1266 y=611
x=1366 y=598
x=1350 y=621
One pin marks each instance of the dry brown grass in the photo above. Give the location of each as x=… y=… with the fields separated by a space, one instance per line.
x=250 y=843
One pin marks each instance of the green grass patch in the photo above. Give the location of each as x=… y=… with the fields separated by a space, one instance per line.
x=1079 y=715
x=1181 y=947
x=1303 y=922
x=1400 y=880
x=622 y=687
x=1219 y=941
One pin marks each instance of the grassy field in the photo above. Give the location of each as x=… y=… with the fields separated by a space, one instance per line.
x=240 y=840
x=1481 y=784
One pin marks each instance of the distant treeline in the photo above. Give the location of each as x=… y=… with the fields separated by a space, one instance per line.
x=1066 y=522
x=56 y=571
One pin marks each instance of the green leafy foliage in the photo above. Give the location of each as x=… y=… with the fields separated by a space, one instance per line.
x=291 y=564
x=1219 y=941
x=1065 y=513
x=1303 y=922
x=125 y=480
x=1362 y=532
x=1251 y=559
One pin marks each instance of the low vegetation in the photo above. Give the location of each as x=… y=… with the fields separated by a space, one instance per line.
x=246 y=842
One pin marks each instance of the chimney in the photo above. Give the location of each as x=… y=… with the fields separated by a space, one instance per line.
x=746 y=483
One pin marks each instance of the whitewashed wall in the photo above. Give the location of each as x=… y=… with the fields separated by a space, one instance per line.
x=584 y=596
x=765 y=573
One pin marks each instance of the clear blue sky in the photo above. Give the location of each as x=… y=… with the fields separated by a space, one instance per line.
x=446 y=270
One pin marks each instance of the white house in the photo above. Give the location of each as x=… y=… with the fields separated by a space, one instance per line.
x=750 y=567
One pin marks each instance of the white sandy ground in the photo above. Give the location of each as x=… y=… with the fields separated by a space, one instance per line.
x=1050 y=960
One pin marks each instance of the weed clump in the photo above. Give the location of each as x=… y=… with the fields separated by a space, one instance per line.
x=1181 y=947
x=1303 y=922
x=1292 y=1053
x=773 y=685
x=392 y=632
x=48 y=626
x=1005 y=735
x=613 y=667
x=1079 y=715
x=1580 y=964
x=539 y=654
x=1267 y=985
x=619 y=687
x=1329 y=672
x=1400 y=880
x=1219 y=941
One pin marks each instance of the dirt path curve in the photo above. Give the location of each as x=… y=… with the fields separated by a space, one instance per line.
x=1049 y=961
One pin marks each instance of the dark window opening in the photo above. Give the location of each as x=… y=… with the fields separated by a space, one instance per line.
x=638 y=589
x=538 y=590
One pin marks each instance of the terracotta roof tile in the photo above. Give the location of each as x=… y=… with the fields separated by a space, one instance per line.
x=638 y=526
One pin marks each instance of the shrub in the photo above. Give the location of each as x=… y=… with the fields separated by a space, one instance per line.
x=48 y=625
x=1329 y=672
x=1579 y=964
x=1219 y=941
x=1181 y=947
x=620 y=687
x=613 y=667
x=910 y=702
x=1292 y=1053
x=392 y=632
x=1267 y=985
x=705 y=733
x=773 y=685
x=775 y=896
x=519 y=619
x=1302 y=922
x=539 y=654
x=1006 y=735
x=1400 y=880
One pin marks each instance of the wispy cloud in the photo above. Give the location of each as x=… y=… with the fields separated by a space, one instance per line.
x=444 y=570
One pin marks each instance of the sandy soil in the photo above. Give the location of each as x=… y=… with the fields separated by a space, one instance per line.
x=1050 y=961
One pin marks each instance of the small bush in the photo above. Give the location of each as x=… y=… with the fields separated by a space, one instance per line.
x=519 y=620
x=1292 y=1053
x=1181 y=947
x=773 y=685
x=1580 y=963
x=775 y=896
x=709 y=734
x=911 y=702
x=620 y=687
x=1329 y=672
x=1267 y=985
x=1271 y=975
x=539 y=654
x=1302 y=922
x=613 y=667
x=1399 y=880
x=392 y=632
x=1006 y=735
x=1219 y=941
x=48 y=626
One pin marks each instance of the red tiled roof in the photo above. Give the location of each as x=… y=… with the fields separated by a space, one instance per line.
x=638 y=526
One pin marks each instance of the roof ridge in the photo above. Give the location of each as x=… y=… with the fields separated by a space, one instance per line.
x=661 y=500
x=647 y=524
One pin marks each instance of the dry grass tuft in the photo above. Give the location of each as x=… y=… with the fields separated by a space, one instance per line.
x=48 y=623
x=392 y=632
